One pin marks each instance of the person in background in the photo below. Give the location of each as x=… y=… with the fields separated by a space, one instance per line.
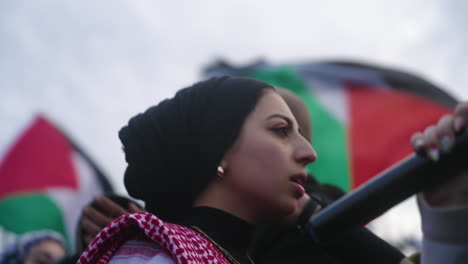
x=39 y=247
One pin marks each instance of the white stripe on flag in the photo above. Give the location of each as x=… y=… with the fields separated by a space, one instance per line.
x=331 y=95
x=70 y=202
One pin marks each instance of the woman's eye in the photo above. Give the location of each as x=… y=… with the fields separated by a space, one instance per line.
x=282 y=131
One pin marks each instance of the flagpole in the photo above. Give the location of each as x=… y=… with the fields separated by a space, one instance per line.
x=410 y=176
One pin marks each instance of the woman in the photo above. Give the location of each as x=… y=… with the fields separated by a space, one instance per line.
x=226 y=143
x=217 y=158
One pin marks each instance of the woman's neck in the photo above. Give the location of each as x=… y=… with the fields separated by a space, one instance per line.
x=216 y=196
x=237 y=212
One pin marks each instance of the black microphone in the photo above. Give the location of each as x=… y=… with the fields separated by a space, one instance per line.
x=411 y=175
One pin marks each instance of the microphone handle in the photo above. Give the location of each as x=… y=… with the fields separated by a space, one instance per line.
x=411 y=175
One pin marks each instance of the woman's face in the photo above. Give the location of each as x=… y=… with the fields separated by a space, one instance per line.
x=265 y=167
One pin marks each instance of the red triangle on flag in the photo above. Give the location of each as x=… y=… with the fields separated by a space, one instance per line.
x=41 y=158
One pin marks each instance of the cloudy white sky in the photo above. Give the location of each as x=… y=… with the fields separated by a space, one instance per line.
x=90 y=65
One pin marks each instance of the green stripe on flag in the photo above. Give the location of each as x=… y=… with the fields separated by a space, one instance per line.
x=33 y=212
x=331 y=144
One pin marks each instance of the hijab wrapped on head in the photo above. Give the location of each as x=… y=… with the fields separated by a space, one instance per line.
x=173 y=149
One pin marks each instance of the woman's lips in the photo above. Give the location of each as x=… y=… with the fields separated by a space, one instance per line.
x=298 y=189
x=298 y=180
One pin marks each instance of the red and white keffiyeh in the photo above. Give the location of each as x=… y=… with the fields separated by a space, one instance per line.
x=186 y=245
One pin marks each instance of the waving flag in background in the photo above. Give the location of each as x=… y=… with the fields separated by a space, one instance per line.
x=45 y=181
x=362 y=115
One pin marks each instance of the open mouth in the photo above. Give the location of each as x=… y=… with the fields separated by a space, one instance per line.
x=299 y=178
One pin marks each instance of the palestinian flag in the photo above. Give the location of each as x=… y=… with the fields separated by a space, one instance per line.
x=363 y=116
x=45 y=181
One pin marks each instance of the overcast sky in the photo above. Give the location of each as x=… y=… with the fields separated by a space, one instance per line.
x=91 y=65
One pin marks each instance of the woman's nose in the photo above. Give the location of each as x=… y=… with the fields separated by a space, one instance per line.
x=304 y=152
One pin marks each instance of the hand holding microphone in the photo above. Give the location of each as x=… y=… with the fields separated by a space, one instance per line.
x=439 y=168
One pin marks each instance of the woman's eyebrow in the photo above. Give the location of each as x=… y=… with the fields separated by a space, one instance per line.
x=287 y=119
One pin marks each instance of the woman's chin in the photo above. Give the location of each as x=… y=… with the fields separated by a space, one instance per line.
x=288 y=213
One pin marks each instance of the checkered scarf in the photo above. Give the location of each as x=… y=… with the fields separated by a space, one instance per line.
x=186 y=245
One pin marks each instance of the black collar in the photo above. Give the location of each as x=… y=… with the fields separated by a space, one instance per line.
x=228 y=231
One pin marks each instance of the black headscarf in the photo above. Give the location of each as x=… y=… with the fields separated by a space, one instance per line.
x=173 y=149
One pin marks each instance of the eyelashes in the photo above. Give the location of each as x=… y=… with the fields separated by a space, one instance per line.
x=282 y=131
